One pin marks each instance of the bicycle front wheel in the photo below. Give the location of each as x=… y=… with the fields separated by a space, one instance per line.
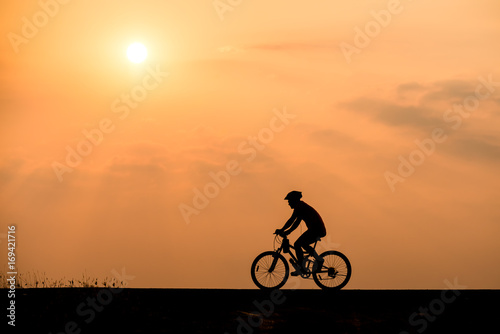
x=270 y=270
x=335 y=273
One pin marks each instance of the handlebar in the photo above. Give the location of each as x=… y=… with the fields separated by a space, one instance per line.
x=277 y=243
x=280 y=233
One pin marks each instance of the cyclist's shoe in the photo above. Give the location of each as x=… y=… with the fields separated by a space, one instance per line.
x=296 y=273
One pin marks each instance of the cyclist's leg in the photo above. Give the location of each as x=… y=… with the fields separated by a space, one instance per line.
x=318 y=258
x=299 y=253
x=312 y=238
x=305 y=241
x=299 y=243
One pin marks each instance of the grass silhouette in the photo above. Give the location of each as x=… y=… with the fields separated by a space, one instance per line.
x=37 y=279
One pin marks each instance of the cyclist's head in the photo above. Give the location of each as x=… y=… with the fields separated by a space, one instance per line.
x=293 y=197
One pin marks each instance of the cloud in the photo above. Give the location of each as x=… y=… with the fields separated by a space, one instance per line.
x=9 y=168
x=409 y=89
x=143 y=158
x=410 y=86
x=334 y=139
x=449 y=91
x=290 y=46
x=394 y=114
x=293 y=46
x=478 y=148
x=422 y=113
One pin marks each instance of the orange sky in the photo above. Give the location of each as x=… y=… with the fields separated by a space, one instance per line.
x=287 y=96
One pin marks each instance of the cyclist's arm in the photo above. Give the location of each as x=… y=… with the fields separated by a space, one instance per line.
x=295 y=224
x=291 y=223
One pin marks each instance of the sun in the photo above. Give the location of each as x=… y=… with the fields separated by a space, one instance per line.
x=137 y=52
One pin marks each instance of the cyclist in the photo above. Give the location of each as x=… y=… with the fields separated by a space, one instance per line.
x=315 y=229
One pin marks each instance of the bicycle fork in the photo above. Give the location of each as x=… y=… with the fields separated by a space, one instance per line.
x=275 y=261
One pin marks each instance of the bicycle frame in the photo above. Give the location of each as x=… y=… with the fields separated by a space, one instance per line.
x=292 y=255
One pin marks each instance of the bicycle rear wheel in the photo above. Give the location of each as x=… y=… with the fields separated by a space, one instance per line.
x=270 y=270
x=335 y=273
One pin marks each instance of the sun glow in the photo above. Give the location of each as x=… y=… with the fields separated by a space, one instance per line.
x=137 y=52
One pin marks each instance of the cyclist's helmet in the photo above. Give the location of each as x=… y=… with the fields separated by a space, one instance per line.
x=294 y=195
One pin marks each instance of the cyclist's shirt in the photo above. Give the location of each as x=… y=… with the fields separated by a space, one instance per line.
x=311 y=218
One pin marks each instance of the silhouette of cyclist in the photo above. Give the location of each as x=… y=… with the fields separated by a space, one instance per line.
x=315 y=229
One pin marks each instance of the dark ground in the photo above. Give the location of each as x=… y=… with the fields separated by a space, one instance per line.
x=94 y=310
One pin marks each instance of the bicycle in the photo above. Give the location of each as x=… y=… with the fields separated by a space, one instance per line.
x=270 y=270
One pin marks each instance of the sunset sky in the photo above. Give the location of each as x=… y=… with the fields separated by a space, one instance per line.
x=385 y=114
